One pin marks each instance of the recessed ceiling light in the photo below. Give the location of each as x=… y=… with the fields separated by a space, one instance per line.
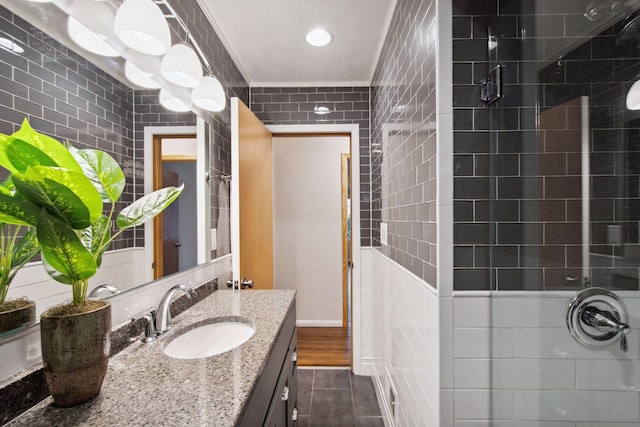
x=11 y=46
x=321 y=109
x=319 y=37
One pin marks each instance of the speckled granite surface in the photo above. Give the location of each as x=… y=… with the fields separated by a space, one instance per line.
x=144 y=387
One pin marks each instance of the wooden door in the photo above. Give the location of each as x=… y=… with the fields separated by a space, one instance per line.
x=251 y=198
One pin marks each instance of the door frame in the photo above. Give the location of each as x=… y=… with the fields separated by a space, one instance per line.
x=345 y=179
x=158 y=169
x=203 y=214
x=354 y=131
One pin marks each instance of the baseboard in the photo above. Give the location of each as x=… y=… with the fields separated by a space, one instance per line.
x=319 y=323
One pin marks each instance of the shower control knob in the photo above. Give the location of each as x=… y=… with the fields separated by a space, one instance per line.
x=597 y=317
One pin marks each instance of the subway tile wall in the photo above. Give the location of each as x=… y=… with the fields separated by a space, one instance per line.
x=65 y=96
x=400 y=318
x=515 y=364
x=346 y=105
x=403 y=140
x=534 y=133
x=471 y=191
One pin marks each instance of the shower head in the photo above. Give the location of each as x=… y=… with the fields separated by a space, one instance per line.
x=630 y=29
x=596 y=9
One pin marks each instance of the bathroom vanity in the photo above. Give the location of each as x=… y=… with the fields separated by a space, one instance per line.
x=252 y=385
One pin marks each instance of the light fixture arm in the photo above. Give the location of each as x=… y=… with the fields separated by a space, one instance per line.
x=190 y=39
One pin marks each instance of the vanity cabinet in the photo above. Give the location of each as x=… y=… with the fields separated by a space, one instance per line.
x=272 y=402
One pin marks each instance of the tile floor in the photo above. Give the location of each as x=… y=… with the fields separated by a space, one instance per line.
x=336 y=398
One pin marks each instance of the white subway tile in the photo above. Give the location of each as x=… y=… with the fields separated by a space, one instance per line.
x=501 y=342
x=622 y=375
x=472 y=404
x=601 y=424
x=533 y=373
x=514 y=423
x=472 y=312
x=473 y=423
x=528 y=312
x=472 y=342
x=558 y=343
x=472 y=373
x=593 y=406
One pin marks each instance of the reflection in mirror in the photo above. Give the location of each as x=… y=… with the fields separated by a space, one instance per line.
x=89 y=103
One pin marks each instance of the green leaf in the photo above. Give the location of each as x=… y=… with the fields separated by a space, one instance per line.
x=27 y=148
x=17 y=211
x=147 y=207
x=63 y=250
x=25 y=249
x=101 y=233
x=103 y=171
x=55 y=274
x=68 y=195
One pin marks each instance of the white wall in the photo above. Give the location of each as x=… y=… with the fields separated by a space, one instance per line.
x=307 y=229
x=400 y=342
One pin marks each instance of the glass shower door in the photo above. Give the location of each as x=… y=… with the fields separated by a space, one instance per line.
x=565 y=211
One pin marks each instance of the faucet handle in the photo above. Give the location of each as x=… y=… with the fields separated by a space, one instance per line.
x=150 y=333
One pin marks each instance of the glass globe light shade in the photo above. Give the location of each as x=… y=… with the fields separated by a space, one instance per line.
x=181 y=66
x=173 y=103
x=141 y=25
x=209 y=95
x=139 y=77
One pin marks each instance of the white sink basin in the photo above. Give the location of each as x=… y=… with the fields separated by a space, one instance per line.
x=209 y=339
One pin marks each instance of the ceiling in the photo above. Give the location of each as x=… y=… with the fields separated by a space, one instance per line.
x=267 y=39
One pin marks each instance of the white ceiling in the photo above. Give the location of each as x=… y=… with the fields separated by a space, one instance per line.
x=267 y=39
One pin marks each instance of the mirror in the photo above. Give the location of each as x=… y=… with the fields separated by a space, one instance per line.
x=74 y=95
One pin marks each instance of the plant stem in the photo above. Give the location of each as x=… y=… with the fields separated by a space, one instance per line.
x=79 y=291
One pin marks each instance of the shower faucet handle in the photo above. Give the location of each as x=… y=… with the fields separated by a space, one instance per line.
x=596 y=317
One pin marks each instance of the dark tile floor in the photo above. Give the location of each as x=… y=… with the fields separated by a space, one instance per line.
x=336 y=398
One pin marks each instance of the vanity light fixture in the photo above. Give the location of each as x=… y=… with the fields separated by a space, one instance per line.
x=139 y=77
x=319 y=37
x=209 y=95
x=141 y=25
x=89 y=40
x=181 y=66
x=633 y=96
x=174 y=103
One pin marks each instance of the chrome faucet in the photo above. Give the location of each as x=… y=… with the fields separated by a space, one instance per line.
x=163 y=314
x=98 y=289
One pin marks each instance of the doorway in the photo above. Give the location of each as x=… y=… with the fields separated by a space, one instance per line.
x=310 y=244
x=174 y=234
x=306 y=130
x=186 y=156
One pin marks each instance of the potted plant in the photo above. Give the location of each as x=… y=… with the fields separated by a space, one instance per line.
x=17 y=247
x=62 y=193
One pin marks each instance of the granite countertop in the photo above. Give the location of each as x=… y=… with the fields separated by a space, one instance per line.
x=143 y=386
